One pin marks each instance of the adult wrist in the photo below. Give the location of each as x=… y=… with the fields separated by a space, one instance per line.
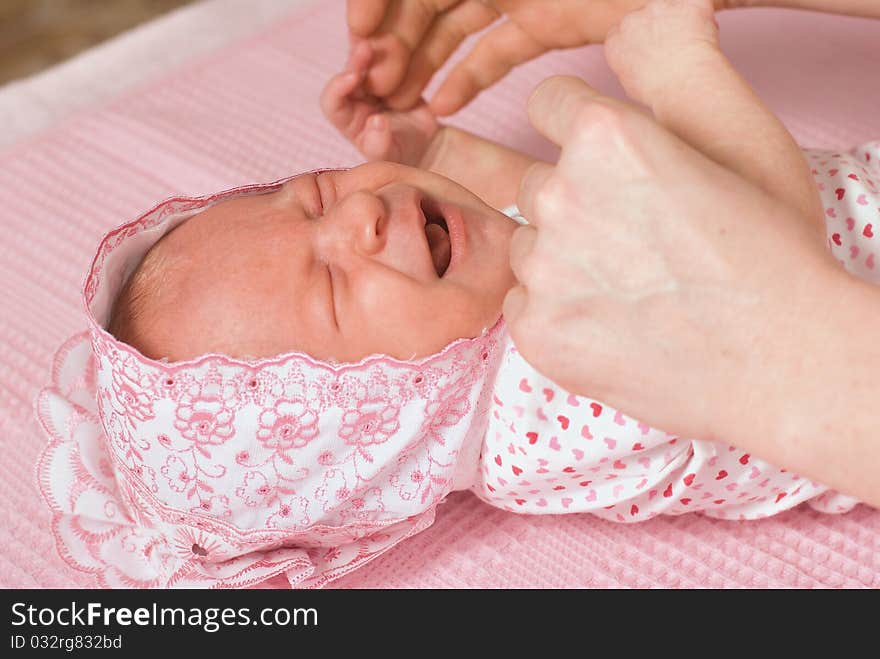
x=821 y=420
x=671 y=87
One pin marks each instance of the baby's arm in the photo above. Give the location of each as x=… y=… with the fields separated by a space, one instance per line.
x=667 y=57
x=415 y=137
x=490 y=170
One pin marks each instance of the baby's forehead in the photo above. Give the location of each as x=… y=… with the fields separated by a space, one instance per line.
x=220 y=269
x=236 y=229
x=249 y=214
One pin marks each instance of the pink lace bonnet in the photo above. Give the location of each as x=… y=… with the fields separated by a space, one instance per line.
x=219 y=472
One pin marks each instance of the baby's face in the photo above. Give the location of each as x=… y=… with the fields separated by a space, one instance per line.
x=381 y=258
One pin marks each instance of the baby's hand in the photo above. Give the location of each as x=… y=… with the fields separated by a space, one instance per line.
x=653 y=48
x=378 y=132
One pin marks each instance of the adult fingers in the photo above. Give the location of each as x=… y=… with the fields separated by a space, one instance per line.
x=495 y=54
x=441 y=40
x=515 y=303
x=533 y=191
x=402 y=30
x=410 y=20
x=521 y=245
x=558 y=107
x=523 y=314
x=364 y=16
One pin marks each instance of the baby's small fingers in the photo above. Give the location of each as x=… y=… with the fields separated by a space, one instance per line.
x=336 y=102
x=375 y=141
x=360 y=55
x=378 y=124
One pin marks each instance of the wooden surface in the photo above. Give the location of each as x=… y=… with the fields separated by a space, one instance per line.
x=35 y=34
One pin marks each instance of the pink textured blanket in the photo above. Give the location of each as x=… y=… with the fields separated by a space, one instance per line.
x=249 y=113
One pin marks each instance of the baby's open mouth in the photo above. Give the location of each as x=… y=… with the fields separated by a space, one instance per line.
x=437 y=233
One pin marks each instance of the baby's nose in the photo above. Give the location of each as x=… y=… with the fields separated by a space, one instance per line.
x=359 y=221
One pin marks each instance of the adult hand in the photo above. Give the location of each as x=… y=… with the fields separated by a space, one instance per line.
x=660 y=283
x=414 y=38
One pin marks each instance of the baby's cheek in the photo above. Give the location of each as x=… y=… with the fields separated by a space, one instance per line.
x=467 y=312
x=487 y=291
x=392 y=317
x=399 y=316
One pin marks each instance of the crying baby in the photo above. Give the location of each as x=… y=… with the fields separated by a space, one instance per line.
x=288 y=379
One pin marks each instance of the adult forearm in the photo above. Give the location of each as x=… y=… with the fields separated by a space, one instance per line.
x=712 y=108
x=866 y=8
x=820 y=414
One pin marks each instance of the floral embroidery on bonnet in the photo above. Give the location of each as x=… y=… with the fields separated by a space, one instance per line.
x=219 y=472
